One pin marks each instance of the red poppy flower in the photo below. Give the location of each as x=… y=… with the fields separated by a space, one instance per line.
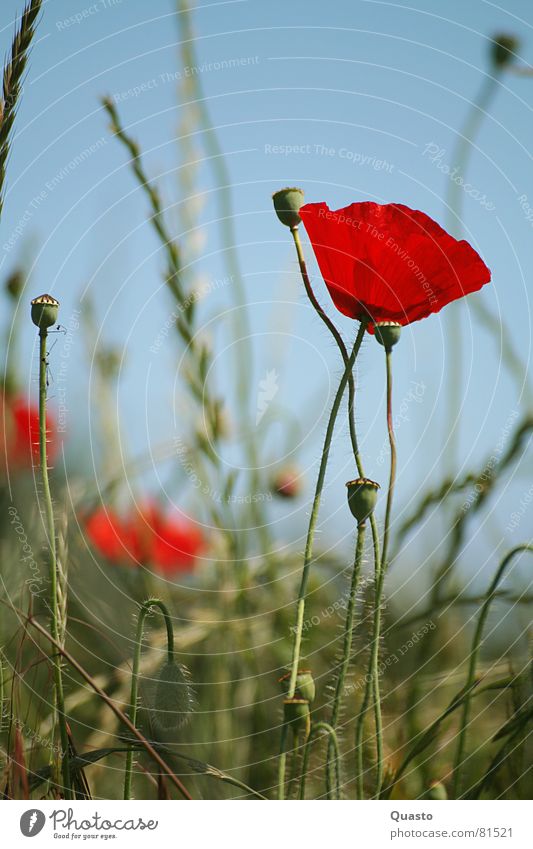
x=176 y=545
x=19 y=434
x=390 y=262
x=169 y=545
x=110 y=535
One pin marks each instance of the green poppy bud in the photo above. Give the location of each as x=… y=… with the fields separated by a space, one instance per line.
x=174 y=699
x=287 y=203
x=305 y=685
x=15 y=284
x=362 y=497
x=297 y=715
x=44 y=310
x=388 y=333
x=437 y=791
x=503 y=49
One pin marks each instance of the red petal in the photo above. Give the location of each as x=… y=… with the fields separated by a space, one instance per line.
x=390 y=262
x=110 y=535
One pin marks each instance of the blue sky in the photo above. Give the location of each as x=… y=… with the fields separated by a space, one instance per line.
x=345 y=100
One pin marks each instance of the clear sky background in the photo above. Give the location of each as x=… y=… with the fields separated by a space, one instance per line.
x=342 y=99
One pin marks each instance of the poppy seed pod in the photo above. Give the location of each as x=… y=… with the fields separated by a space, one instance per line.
x=287 y=203
x=305 y=685
x=44 y=310
x=388 y=333
x=503 y=49
x=362 y=497
x=297 y=715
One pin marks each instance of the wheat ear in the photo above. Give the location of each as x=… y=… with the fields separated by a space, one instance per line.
x=12 y=83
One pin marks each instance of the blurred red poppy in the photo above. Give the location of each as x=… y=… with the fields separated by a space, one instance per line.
x=390 y=262
x=146 y=536
x=287 y=482
x=19 y=434
x=110 y=535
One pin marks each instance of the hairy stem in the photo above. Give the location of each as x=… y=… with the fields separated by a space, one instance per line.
x=393 y=462
x=308 y=556
x=334 y=743
x=347 y=645
x=382 y=573
x=351 y=404
x=351 y=380
x=372 y=679
x=336 y=335
x=134 y=692
x=52 y=566
x=147 y=746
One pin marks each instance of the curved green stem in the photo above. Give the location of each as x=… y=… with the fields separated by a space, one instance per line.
x=337 y=337
x=300 y=607
x=474 y=654
x=421 y=742
x=426 y=737
x=102 y=695
x=332 y=741
x=351 y=381
x=370 y=688
x=383 y=571
x=372 y=678
x=143 y=613
x=315 y=508
x=351 y=419
x=347 y=645
x=52 y=551
x=482 y=487
x=282 y=762
x=393 y=462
